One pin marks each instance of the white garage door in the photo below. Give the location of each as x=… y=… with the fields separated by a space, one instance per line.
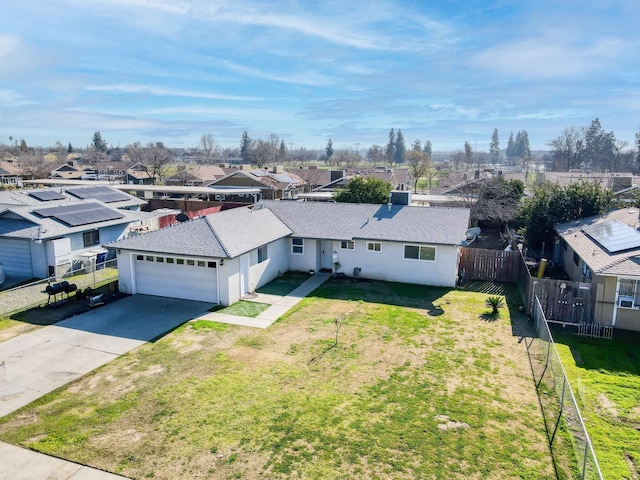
x=176 y=277
x=15 y=257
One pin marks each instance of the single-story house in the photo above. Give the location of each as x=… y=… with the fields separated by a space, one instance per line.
x=604 y=252
x=274 y=184
x=221 y=257
x=67 y=171
x=10 y=174
x=46 y=232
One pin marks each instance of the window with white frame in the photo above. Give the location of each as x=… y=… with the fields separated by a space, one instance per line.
x=262 y=254
x=297 y=246
x=420 y=252
x=628 y=293
x=347 y=245
x=374 y=247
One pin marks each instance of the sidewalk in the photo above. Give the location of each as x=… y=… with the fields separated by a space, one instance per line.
x=279 y=305
x=21 y=464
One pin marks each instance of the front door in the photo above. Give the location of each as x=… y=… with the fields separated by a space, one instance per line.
x=326 y=255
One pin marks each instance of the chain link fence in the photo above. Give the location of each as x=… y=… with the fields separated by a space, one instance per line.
x=568 y=439
x=34 y=294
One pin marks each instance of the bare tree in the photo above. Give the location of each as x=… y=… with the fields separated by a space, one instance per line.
x=568 y=149
x=208 y=149
x=497 y=199
x=34 y=166
x=261 y=152
x=156 y=158
x=418 y=166
x=184 y=175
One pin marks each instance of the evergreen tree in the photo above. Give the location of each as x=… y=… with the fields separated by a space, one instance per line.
x=69 y=148
x=364 y=190
x=98 y=142
x=494 y=148
x=245 y=147
x=328 y=150
x=427 y=148
x=282 y=152
x=391 y=147
x=468 y=153
x=417 y=146
x=400 y=148
x=511 y=148
x=522 y=145
x=552 y=205
x=600 y=147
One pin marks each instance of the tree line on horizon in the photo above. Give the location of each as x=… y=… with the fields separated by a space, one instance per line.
x=590 y=147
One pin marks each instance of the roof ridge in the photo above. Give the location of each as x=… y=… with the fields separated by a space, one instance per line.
x=213 y=231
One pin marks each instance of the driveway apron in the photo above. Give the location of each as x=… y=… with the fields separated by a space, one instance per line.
x=36 y=363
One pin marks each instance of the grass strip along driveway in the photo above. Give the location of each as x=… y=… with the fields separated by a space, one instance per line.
x=367 y=380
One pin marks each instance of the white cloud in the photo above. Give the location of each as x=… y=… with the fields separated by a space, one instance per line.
x=311 y=79
x=9 y=45
x=168 y=92
x=552 y=54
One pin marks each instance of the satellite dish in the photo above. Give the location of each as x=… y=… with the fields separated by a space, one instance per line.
x=182 y=217
x=473 y=232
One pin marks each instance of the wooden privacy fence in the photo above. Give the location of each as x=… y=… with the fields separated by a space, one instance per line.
x=561 y=300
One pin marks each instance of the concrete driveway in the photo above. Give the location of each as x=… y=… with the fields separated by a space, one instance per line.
x=39 y=362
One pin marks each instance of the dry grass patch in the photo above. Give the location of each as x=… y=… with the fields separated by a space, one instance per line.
x=415 y=387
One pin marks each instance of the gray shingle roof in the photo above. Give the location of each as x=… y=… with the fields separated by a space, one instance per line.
x=234 y=232
x=346 y=221
x=222 y=235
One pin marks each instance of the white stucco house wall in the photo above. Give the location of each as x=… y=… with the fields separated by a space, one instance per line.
x=219 y=258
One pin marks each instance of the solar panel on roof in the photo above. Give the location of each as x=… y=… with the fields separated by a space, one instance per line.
x=47 y=195
x=615 y=236
x=104 y=194
x=80 y=214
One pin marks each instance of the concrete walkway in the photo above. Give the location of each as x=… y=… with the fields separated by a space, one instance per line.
x=279 y=304
x=21 y=464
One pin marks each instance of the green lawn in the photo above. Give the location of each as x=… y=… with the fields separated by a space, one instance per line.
x=605 y=376
x=370 y=380
x=284 y=284
x=244 y=309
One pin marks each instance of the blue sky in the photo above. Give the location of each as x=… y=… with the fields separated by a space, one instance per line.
x=444 y=71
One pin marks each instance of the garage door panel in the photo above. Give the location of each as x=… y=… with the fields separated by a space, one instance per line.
x=15 y=257
x=174 y=280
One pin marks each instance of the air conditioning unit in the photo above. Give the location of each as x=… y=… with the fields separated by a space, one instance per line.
x=625 y=301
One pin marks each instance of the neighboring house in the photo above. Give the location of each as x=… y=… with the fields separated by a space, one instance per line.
x=138 y=174
x=219 y=258
x=67 y=171
x=196 y=176
x=604 y=252
x=616 y=182
x=10 y=174
x=398 y=179
x=108 y=170
x=274 y=184
x=46 y=232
